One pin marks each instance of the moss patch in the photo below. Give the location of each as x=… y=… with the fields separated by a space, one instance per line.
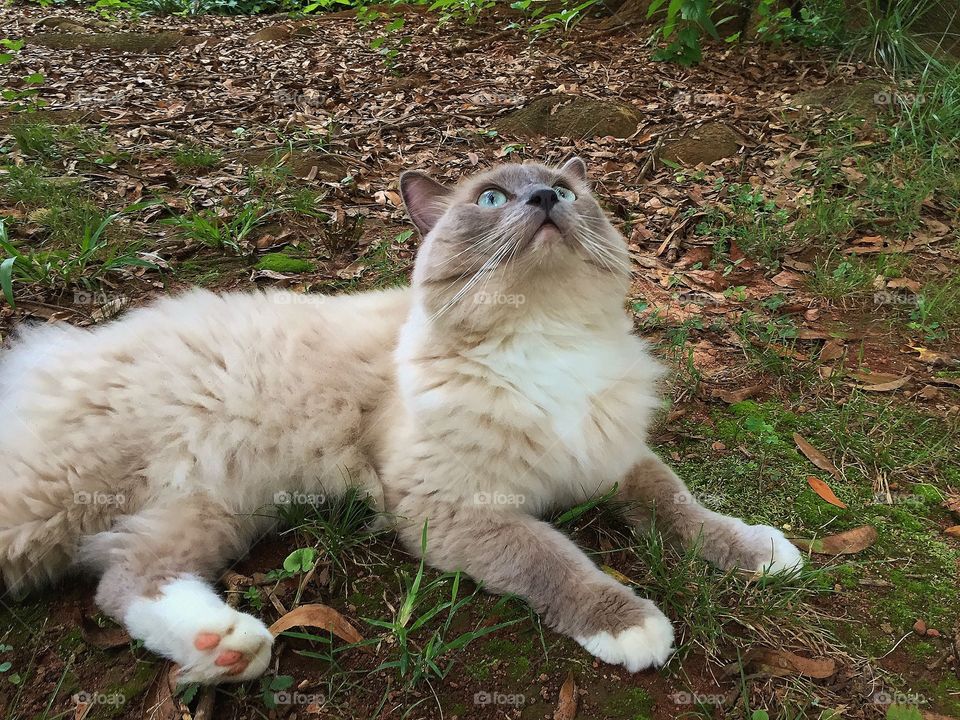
x=573 y=117
x=129 y=42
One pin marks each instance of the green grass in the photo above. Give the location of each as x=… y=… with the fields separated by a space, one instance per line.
x=209 y=227
x=43 y=142
x=193 y=156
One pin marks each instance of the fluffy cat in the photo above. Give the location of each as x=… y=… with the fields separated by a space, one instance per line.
x=505 y=381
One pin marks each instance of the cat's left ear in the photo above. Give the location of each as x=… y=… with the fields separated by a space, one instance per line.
x=576 y=167
x=424 y=198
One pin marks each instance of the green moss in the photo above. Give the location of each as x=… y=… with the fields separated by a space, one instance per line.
x=629 y=704
x=280 y=262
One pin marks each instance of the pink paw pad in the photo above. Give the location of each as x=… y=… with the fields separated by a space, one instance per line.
x=206 y=641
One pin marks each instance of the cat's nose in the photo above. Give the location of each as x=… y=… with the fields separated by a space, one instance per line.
x=545 y=198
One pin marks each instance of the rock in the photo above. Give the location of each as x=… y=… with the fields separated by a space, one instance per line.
x=130 y=42
x=706 y=144
x=61 y=24
x=933 y=632
x=279 y=33
x=301 y=163
x=571 y=116
x=861 y=99
x=920 y=627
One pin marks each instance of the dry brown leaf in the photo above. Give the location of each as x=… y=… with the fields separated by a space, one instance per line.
x=845 y=543
x=825 y=492
x=904 y=284
x=787 y=279
x=953 y=531
x=873 y=378
x=782 y=663
x=103 y=638
x=832 y=349
x=933 y=358
x=734 y=396
x=887 y=386
x=567 y=705
x=318 y=616
x=815 y=456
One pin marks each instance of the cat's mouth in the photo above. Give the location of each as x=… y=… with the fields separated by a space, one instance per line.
x=548 y=230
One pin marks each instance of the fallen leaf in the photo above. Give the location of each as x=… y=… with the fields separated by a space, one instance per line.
x=845 y=543
x=782 y=663
x=953 y=531
x=887 y=386
x=832 y=349
x=951 y=382
x=787 y=279
x=318 y=616
x=567 y=705
x=904 y=284
x=617 y=575
x=732 y=397
x=824 y=491
x=102 y=637
x=933 y=358
x=815 y=456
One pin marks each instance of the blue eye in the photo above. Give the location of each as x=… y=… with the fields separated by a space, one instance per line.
x=564 y=193
x=491 y=199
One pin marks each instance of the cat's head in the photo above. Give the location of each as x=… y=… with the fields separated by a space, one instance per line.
x=525 y=236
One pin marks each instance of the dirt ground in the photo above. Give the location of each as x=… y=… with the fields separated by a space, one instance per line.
x=780 y=269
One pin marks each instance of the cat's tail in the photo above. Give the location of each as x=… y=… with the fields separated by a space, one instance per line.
x=47 y=501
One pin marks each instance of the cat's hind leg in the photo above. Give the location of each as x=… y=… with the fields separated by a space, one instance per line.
x=154 y=567
x=723 y=540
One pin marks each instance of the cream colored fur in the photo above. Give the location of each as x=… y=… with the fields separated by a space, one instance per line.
x=504 y=382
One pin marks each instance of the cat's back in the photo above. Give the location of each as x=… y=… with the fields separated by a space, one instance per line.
x=170 y=364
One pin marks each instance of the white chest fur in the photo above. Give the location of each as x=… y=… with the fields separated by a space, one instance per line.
x=552 y=415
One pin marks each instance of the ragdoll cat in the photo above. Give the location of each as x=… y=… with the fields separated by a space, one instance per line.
x=503 y=383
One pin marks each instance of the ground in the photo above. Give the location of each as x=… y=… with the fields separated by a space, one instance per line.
x=803 y=289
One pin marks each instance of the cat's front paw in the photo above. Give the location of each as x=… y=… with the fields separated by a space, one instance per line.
x=210 y=641
x=639 y=647
x=769 y=550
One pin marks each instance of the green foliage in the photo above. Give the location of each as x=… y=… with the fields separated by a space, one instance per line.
x=686 y=21
x=80 y=263
x=208 y=228
x=546 y=16
x=421 y=660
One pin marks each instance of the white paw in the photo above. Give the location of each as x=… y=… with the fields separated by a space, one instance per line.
x=776 y=552
x=636 y=648
x=208 y=639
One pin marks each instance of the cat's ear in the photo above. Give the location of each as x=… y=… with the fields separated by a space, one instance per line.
x=424 y=198
x=575 y=167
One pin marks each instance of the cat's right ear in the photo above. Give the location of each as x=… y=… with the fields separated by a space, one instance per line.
x=424 y=198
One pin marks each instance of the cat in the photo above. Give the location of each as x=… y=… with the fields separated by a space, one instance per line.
x=505 y=381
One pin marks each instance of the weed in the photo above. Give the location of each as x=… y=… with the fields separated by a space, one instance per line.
x=839 y=278
x=81 y=264
x=209 y=228
x=422 y=602
x=195 y=156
